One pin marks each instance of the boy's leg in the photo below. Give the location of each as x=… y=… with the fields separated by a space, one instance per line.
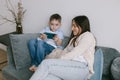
x=32 y=50
x=42 y=50
x=48 y=48
x=63 y=69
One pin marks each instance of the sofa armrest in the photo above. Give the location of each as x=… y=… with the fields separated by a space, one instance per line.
x=10 y=56
x=115 y=68
x=4 y=39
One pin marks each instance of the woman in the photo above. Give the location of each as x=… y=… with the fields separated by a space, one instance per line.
x=76 y=60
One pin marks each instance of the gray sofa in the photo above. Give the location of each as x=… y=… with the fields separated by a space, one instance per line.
x=19 y=58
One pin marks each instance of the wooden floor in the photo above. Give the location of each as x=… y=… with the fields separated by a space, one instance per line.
x=3 y=61
x=1 y=78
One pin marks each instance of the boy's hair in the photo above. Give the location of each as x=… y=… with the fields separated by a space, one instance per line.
x=56 y=17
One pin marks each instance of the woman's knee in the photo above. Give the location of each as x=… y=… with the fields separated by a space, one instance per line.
x=47 y=62
x=44 y=63
x=50 y=61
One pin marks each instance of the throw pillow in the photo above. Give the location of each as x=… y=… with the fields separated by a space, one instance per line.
x=115 y=68
x=98 y=65
x=20 y=50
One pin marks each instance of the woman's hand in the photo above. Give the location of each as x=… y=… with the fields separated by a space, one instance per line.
x=43 y=36
x=62 y=55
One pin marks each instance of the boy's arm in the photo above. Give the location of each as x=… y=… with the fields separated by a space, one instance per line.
x=43 y=36
x=60 y=38
x=41 y=33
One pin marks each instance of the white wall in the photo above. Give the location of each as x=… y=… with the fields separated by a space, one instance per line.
x=104 y=16
x=7 y=27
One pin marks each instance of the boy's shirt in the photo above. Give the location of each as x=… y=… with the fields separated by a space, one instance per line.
x=51 y=41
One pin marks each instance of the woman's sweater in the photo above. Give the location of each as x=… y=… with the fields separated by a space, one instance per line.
x=85 y=46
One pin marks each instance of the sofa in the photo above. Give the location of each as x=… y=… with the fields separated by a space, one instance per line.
x=19 y=60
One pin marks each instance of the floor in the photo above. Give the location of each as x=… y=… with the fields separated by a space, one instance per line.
x=1 y=78
x=3 y=61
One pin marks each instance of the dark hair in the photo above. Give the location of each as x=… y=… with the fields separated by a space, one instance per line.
x=83 y=22
x=56 y=17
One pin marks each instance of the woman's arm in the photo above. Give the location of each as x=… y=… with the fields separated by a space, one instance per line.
x=85 y=41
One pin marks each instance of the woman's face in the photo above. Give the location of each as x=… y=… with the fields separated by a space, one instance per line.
x=76 y=29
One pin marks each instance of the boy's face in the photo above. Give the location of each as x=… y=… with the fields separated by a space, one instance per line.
x=54 y=25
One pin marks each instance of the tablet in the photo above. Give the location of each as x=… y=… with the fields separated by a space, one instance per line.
x=50 y=35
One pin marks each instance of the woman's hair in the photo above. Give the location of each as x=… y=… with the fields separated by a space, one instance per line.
x=83 y=23
x=56 y=17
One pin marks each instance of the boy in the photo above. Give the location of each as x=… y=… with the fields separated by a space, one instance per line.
x=50 y=38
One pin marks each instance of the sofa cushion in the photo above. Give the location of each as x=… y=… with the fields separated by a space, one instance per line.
x=20 y=50
x=98 y=65
x=10 y=73
x=115 y=68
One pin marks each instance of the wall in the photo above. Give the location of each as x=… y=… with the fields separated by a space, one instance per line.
x=104 y=16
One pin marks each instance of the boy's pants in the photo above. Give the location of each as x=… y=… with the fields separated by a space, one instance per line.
x=38 y=50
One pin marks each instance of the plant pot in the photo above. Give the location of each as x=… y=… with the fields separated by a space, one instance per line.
x=19 y=29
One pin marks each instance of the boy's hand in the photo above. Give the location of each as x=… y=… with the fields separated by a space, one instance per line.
x=43 y=36
x=57 y=40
